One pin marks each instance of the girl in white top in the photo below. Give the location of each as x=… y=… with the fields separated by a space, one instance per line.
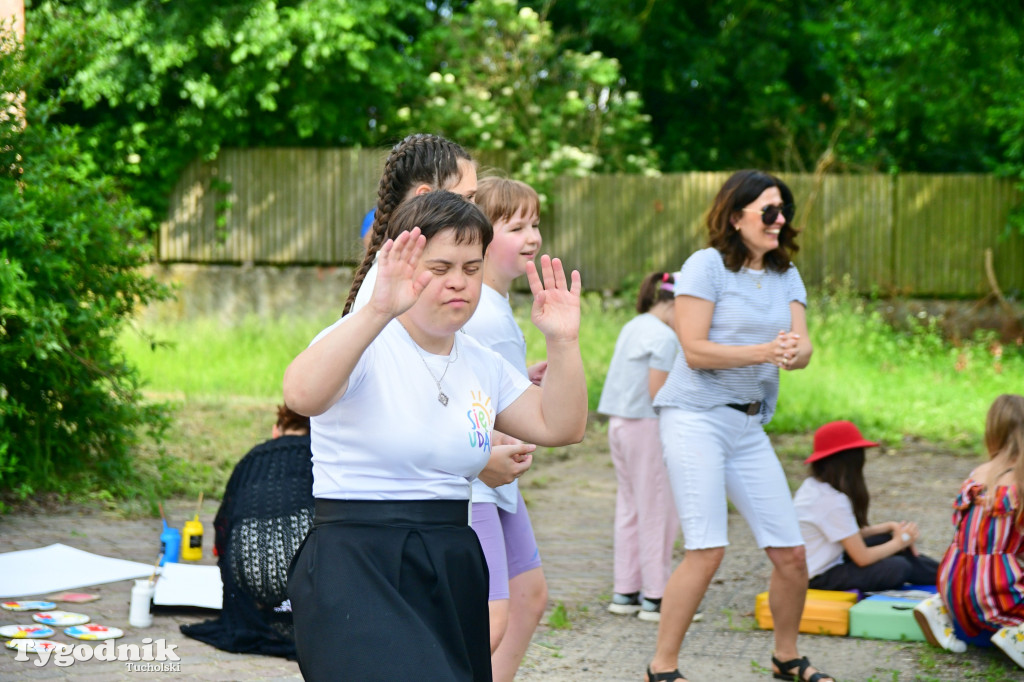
x=518 y=589
x=646 y=524
x=740 y=318
x=844 y=552
x=391 y=576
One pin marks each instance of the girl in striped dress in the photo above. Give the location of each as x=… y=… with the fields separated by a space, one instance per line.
x=981 y=577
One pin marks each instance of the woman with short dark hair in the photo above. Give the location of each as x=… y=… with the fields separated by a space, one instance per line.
x=391 y=582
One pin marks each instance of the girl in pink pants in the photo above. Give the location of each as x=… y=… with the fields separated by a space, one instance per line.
x=646 y=525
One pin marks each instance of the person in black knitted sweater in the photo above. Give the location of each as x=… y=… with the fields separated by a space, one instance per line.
x=265 y=513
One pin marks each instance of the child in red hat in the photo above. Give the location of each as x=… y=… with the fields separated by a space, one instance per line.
x=843 y=551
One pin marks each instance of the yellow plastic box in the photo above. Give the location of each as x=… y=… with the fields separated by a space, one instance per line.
x=825 y=613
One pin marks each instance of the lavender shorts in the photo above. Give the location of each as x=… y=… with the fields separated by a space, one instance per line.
x=508 y=543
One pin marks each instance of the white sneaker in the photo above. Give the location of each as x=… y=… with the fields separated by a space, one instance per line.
x=650 y=610
x=933 y=617
x=625 y=604
x=1011 y=641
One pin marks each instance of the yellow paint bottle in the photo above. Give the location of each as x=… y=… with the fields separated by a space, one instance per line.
x=192 y=540
x=192 y=536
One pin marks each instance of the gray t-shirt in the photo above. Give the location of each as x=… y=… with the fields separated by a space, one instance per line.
x=645 y=343
x=751 y=307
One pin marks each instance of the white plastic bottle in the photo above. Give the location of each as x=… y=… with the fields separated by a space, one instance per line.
x=140 y=614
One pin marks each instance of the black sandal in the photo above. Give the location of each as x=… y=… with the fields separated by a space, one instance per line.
x=801 y=665
x=664 y=677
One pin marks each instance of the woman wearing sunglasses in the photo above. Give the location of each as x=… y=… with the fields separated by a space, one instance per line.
x=740 y=317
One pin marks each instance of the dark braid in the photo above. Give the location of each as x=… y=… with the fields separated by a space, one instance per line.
x=418 y=159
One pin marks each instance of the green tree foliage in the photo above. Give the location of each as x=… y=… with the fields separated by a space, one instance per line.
x=499 y=78
x=912 y=89
x=867 y=85
x=155 y=84
x=724 y=81
x=794 y=86
x=70 y=249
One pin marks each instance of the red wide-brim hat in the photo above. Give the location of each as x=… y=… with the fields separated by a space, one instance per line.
x=835 y=437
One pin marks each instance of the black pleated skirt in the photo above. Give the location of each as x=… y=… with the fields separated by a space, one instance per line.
x=391 y=590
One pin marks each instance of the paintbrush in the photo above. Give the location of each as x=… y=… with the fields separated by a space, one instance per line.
x=152 y=577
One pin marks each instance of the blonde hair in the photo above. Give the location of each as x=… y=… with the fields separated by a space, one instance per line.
x=501 y=198
x=1004 y=437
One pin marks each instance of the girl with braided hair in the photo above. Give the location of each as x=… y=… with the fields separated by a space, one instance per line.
x=420 y=163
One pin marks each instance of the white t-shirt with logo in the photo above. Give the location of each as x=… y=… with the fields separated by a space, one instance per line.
x=389 y=438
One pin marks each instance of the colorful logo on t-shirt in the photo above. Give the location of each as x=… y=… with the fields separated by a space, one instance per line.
x=481 y=421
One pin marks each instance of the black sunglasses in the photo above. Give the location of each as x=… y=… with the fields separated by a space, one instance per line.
x=770 y=213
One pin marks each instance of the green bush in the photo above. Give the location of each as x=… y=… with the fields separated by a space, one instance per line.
x=70 y=248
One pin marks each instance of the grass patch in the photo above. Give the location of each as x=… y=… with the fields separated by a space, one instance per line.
x=893 y=384
x=206 y=439
x=559 y=618
x=222 y=382
x=205 y=358
x=994 y=666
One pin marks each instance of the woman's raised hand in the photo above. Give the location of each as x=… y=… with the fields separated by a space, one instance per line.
x=397 y=287
x=556 y=303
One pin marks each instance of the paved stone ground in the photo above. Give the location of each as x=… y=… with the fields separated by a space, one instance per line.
x=571 y=497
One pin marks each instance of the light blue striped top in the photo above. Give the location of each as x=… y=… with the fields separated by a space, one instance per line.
x=744 y=315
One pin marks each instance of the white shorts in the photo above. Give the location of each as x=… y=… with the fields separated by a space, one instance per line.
x=720 y=452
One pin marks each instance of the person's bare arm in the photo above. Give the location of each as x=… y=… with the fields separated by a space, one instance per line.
x=693 y=324
x=798 y=343
x=863 y=555
x=318 y=376
x=656 y=378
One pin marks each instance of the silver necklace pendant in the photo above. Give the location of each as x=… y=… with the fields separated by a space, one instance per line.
x=442 y=397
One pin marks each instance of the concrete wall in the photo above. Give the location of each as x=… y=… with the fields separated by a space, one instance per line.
x=232 y=292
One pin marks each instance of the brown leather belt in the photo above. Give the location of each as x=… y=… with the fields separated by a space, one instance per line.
x=747 y=408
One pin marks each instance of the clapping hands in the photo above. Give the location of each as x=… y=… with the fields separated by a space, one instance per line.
x=785 y=350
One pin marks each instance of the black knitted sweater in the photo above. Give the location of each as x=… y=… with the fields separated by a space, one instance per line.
x=264 y=517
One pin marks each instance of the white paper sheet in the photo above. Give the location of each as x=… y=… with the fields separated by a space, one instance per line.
x=59 y=567
x=189 y=585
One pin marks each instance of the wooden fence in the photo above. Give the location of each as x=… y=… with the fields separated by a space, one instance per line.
x=921 y=235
